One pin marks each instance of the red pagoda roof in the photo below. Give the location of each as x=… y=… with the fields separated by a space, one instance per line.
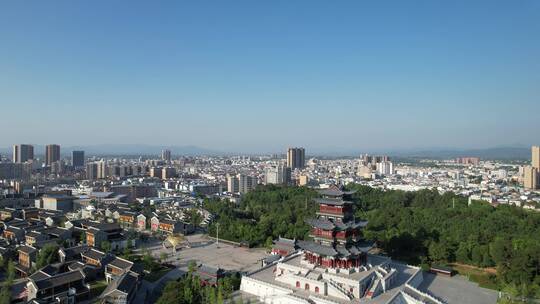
x=331 y=201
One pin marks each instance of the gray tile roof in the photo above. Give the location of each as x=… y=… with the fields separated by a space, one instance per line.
x=26 y=249
x=121 y=263
x=285 y=244
x=351 y=225
x=331 y=201
x=60 y=279
x=331 y=225
x=127 y=282
x=321 y=223
x=93 y=254
x=318 y=248
x=333 y=251
x=333 y=191
x=74 y=251
x=124 y=284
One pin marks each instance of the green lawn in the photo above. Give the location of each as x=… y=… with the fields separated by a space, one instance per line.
x=482 y=277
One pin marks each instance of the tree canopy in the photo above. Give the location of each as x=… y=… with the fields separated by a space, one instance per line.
x=264 y=214
x=421 y=228
x=189 y=290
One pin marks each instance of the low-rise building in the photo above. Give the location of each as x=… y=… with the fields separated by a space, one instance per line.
x=66 y=287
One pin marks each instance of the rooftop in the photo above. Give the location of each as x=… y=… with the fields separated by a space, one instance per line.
x=59 y=279
x=451 y=290
x=331 y=201
x=334 y=191
x=121 y=263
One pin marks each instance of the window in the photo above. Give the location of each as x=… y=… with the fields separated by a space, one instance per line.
x=297 y=284
x=317 y=289
x=306 y=287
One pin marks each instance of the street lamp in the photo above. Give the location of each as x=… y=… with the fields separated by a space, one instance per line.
x=217 y=235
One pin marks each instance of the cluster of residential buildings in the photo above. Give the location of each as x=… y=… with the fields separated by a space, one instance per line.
x=87 y=222
x=80 y=203
x=28 y=232
x=232 y=176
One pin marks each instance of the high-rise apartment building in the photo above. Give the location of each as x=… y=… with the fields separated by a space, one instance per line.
x=23 y=153
x=57 y=167
x=468 y=160
x=303 y=180
x=296 y=158
x=385 y=168
x=168 y=172
x=530 y=177
x=373 y=160
x=246 y=183
x=166 y=155
x=232 y=184
x=15 y=170
x=102 y=169
x=137 y=170
x=52 y=154
x=535 y=157
x=241 y=183
x=280 y=175
x=531 y=174
x=156 y=172
x=92 y=171
x=117 y=170
x=77 y=159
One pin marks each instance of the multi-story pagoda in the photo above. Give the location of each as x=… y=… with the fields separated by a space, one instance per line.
x=335 y=268
x=336 y=234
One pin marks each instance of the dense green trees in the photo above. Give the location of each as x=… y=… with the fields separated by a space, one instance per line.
x=46 y=255
x=5 y=286
x=422 y=228
x=193 y=217
x=188 y=290
x=426 y=227
x=150 y=263
x=264 y=214
x=105 y=246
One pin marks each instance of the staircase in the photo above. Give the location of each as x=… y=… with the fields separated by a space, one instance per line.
x=340 y=289
x=373 y=289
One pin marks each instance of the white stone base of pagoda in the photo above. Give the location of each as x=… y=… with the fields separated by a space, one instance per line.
x=334 y=270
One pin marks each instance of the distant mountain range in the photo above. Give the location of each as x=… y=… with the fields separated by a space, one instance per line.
x=521 y=153
x=517 y=153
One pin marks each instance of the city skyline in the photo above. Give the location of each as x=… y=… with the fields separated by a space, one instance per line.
x=355 y=76
x=502 y=152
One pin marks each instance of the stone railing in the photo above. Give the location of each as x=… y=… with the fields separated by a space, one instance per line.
x=246 y=280
x=422 y=294
x=342 y=290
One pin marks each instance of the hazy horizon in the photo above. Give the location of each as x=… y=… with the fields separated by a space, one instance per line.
x=252 y=76
x=503 y=152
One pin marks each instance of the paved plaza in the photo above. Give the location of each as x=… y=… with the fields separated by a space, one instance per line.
x=205 y=250
x=458 y=289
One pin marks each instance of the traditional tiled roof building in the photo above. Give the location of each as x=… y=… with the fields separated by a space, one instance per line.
x=334 y=267
x=336 y=233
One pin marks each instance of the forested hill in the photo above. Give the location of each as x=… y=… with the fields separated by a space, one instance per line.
x=265 y=214
x=426 y=227
x=421 y=228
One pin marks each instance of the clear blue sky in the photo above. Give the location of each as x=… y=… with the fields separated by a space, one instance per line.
x=263 y=75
